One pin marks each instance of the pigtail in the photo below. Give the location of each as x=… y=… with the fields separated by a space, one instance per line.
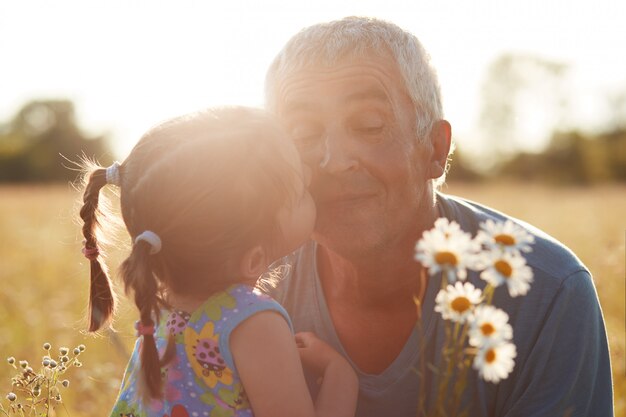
x=141 y=282
x=101 y=297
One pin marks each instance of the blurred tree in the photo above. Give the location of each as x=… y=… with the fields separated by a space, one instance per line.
x=36 y=143
x=521 y=99
x=573 y=158
x=616 y=102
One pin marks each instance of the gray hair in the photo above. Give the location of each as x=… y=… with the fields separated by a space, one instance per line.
x=329 y=43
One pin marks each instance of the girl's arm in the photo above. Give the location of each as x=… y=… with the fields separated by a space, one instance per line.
x=339 y=383
x=269 y=365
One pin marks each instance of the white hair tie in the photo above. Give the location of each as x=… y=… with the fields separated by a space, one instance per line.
x=153 y=240
x=113 y=174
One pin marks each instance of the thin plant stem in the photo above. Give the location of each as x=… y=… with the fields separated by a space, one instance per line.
x=421 y=368
x=421 y=412
x=461 y=381
x=488 y=294
x=445 y=379
x=48 y=399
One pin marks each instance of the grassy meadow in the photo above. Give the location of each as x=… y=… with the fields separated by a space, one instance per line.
x=45 y=278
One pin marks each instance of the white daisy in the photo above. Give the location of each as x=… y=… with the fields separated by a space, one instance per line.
x=510 y=268
x=494 y=362
x=447 y=249
x=457 y=301
x=489 y=325
x=446 y=227
x=507 y=236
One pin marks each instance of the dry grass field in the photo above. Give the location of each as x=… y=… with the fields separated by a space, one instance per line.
x=45 y=278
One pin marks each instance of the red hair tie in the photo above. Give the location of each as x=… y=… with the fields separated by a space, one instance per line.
x=144 y=330
x=91 y=253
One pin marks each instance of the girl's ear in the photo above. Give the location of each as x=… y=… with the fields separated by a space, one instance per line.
x=254 y=262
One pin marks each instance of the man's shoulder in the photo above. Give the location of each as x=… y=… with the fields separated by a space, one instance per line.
x=548 y=257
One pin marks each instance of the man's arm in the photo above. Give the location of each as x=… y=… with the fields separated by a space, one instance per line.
x=567 y=372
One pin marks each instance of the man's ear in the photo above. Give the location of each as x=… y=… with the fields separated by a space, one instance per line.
x=254 y=262
x=441 y=139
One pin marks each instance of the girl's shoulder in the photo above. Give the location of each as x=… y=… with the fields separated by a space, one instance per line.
x=231 y=306
x=205 y=332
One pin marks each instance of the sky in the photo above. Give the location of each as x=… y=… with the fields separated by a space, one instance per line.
x=128 y=65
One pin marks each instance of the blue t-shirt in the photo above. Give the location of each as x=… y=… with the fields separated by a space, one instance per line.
x=562 y=365
x=202 y=380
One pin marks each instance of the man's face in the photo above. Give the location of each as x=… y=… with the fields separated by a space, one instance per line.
x=355 y=126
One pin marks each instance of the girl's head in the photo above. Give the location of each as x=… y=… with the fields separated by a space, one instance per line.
x=224 y=191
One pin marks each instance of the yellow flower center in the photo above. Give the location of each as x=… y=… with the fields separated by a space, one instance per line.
x=506 y=240
x=460 y=304
x=490 y=356
x=487 y=329
x=446 y=257
x=503 y=268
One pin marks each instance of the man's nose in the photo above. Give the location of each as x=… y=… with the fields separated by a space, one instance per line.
x=338 y=153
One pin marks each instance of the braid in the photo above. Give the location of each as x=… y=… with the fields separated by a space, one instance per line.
x=139 y=279
x=101 y=297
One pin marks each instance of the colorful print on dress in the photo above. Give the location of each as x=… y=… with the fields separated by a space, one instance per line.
x=207 y=353
x=213 y=309
x=123 y=409
x=226 y=402
x=208 y=363
x=176 y=322
x=178 y=411
x=171 y=394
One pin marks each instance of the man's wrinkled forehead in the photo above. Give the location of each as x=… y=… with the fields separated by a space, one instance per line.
x=376 y=74
x=291 y=65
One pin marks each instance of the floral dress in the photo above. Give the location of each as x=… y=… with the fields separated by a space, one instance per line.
x=202 y=379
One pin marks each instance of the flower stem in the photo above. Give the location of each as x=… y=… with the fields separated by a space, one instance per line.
x=488 y=293
x=444 y=380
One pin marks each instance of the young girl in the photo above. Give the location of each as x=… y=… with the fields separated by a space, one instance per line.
x=210 y=200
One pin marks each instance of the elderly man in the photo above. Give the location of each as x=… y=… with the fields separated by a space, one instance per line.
x=362 y=102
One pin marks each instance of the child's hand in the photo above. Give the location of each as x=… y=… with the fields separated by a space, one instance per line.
x=316 y=354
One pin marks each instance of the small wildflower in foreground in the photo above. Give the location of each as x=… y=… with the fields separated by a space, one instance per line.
x=510 y=269
x=37 y=393
x=495 y=362
x=457 y=301
x=507 y=237
x=489 y=325
x=447 y=228
x=447 y=249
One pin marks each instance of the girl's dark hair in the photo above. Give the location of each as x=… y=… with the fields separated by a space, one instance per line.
x=210 y=185
x=101 y=298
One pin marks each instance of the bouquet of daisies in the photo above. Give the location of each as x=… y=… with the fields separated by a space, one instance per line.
x=477 y=333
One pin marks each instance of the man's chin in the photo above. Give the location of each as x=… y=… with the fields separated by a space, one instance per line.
x=347 y=239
